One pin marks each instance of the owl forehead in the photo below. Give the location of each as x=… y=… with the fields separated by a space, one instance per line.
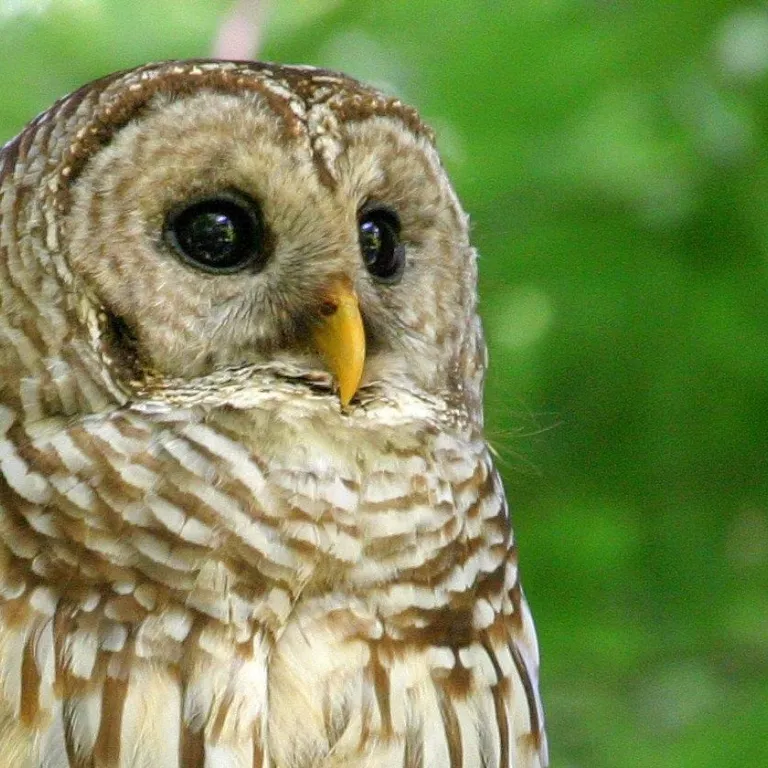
x=311 y=103
x=216 y=134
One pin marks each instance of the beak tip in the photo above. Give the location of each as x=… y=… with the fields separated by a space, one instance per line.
x=340 y=338
x=347 y=390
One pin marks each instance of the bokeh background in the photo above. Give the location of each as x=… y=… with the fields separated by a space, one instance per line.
x=614 y=157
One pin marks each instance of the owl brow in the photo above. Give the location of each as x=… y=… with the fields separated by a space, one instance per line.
x=130 y=93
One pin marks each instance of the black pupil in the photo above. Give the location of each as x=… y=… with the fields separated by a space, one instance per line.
x=383 y=254
x=218 y=235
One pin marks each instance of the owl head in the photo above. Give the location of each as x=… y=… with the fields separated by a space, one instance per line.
x=188 y=219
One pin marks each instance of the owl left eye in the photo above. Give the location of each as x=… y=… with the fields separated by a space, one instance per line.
x=220 y=234
x=383 y=253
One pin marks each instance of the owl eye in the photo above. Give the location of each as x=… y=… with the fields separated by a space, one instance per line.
x=383 y=253
x=220 y=234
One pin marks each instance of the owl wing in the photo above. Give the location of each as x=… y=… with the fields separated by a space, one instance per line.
x=489 y=689
x=123 y=617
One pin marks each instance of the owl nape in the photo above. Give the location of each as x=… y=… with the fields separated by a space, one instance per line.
x=248 y=514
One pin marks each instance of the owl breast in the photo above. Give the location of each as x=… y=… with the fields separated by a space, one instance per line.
x=295 y=583
x=394 y=592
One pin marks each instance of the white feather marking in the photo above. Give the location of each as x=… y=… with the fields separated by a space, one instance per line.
x=177 y=623
x=193 y=461
x=42 y=566
x=435 y=749
x=211 y=589
x=505 y=661
x=404 y=675
x=385 y=486
x=468 y=727
x=476 y=658
x=483 y=614
x=63 y=377
x=12 y=644
x=44 y=600
x=339 y=495
x=79 y=652
x=28 y=353
x=151 y=726
x=228 y=756
x=313 y=508
x=107 y=431
x=463 y=576
x=123 y=587
x=146 y=596
x=440 y=657
x=7 y=418
x=52 y=747
x=90 y=601
x=416 y=519
x=66 y=449
x=489 y=506
x=117 y=551
x=42 y=522
x=12 y=585
x=244 y=698
x=179 y=522
x=82 y=712
x=31 y=486
x=185 y=559
x=112 y=637
x=510 y=574
x=135 y=512
x=235 y=455
x=136 y=475
x=401 y=597
x=75 y=490
x=487 y=727
x=44 y=661
x=529 y=647
x=215 y=640
x=151 y=642
x=280 y=603
x=226 y=700
x=342 y=545
x=254 y=533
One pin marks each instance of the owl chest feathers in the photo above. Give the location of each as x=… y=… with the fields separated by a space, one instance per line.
x=228 y=588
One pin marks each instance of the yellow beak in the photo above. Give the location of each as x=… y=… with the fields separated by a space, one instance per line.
x=340 y=338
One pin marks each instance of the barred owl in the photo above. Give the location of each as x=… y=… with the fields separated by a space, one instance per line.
x=247 y=513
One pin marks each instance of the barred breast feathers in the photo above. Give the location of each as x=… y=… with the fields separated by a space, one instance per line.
x=177 y=539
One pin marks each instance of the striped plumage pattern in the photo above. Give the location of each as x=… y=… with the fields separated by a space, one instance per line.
x=220 y=567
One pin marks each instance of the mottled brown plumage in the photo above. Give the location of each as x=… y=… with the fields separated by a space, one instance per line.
x=205 y=559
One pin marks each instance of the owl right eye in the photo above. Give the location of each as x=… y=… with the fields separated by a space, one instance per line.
x=220 y=234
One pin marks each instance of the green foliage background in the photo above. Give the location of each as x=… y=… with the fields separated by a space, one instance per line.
x=614 y=157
